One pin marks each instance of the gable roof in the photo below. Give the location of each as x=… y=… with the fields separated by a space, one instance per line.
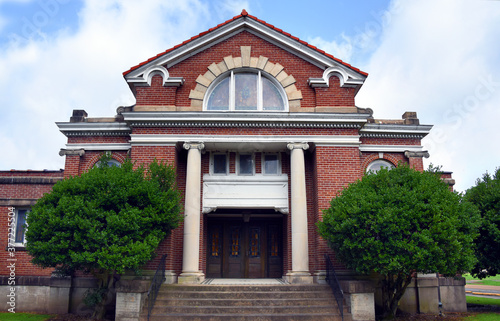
x=241 y=22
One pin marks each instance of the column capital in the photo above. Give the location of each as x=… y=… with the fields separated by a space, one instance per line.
x=409 y=154
x=193 y=145
x=292 y=146
x=71 y=152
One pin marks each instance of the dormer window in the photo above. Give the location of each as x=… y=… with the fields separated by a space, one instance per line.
x=246 y=91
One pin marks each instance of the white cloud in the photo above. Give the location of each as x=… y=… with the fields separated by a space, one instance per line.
x=44 y=78
x=231 y=6
x=439 y=58
x=356 y=48
x=341 y=50
x=431 y=58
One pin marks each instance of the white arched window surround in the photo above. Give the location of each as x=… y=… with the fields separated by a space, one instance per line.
x=227 y=94
x=376 y=165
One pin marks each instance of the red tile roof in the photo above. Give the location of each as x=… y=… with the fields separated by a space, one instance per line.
x=244 y=13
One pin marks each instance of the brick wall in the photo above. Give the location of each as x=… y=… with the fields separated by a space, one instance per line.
x=197 y=65
x=24 y=189
x=336 y=167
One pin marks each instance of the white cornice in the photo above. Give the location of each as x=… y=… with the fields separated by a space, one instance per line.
x=390 y=148
x=234 y=119
x=244 y=141
x=97 y=146
x=395 y=131
x=230 y=29
x=94 y=129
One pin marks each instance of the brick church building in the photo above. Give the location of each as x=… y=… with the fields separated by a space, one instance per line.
x=263 y=131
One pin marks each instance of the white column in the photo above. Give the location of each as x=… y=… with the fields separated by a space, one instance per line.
x=191 y=247
x=300 y=251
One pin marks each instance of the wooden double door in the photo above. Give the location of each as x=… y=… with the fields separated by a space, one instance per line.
x=239 y=249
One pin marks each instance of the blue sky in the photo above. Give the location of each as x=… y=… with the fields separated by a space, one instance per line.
x=438 y=58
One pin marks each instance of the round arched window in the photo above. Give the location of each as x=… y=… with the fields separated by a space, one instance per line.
x=376 y=165
x=246 y=91
x=111 y=163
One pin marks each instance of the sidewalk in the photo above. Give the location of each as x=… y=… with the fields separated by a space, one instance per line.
x=472 y=288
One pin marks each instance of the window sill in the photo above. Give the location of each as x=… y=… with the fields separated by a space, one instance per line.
x=246 y=178
x=18 y=248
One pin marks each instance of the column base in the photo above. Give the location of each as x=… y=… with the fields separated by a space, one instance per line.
x=191 y=278
x=299 y=278
x=320 y=277
x=170 y=277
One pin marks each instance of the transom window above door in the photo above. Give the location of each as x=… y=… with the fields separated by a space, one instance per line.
x=246 y=91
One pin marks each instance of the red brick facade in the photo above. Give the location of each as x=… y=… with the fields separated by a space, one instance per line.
x=20 y=190
x=342 y=139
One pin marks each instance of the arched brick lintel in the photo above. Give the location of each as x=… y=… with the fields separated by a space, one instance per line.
x=383 y=156
x=276 y=70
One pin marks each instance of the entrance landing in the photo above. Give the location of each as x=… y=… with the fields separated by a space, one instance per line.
x=244 y=282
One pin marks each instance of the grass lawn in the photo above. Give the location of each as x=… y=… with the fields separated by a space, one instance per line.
x=482 y=301
x=484 y=317
x=7 y=316
x=492 y=280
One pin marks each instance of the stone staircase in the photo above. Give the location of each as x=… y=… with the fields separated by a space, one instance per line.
x=246 y=302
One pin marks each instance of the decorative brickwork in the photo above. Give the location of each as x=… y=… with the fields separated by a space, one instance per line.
x=120 y=157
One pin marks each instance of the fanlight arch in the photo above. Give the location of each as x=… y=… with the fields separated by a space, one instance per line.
x=378 y=164
x=245 y=90
x=273 y=74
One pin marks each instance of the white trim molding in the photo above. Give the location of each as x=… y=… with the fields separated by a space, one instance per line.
x=145 y=79
x=348 y=78
x=390 y=148
x=244 y=142
x=97 y=146
x=395 y=131
x=94 y=129
x=244 y=119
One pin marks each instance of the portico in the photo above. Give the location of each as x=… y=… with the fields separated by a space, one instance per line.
x=272 y=191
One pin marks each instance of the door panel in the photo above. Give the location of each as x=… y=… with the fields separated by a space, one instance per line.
x=214 y=251
x=256 y=268
x=275 y=252
x=238 y=249
x=234 y=253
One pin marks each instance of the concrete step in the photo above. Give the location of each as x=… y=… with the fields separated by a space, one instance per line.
x=246 y=302
x=254 y=317
x=243 y=310
x=244 y=294
x=241 y=302
x=257 y=288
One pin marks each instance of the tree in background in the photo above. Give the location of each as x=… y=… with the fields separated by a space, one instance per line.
x=106 y=221
x=486 y=196
x=398 y=222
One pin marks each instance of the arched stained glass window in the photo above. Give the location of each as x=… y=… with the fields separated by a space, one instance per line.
x=219 y=98
x=271 y=97
x=111 y=163
x=246 y=91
